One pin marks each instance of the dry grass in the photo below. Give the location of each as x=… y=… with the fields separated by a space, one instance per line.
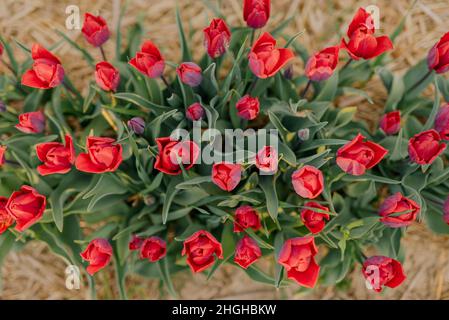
x=34 y=273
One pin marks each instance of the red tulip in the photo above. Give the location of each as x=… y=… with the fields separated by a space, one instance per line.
x=95 y=30
x=56 y=157
x=6 y=220
x=358 y=155
x=149 y=60
x=98 y=253
x=308 y=182
x=217 y=38
x=425 y=147
x=390 y=123
x=46 y=72
x=246 y=217
x=362 y=42
x=247 y=252
x=26 y=206
x=265 y=60
x=201 y=249
x=153 y=249
x=195 y=112
x=171 y=152
x=297 y=256
x=106 y=76
x=321 y=65
x=248 y=107
x=103 y=155
x=267 y=160
x=256 y=12
x=135 y=243
x=398 y=211
x=190 y=74
x=314 y=220
x=380 y=271
x=226 y=175
x=31 y=122
x=438 y=57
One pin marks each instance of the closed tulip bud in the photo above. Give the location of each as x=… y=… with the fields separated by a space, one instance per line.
x=390 y=123
x=438 y=58
x=31 y=122
x=217 y=38
x=190 y=74
x=304 y=134
x=248 y=107
x=95 y=30
x=2 y=106
x=256 y=13
x=106 y=76
x=136 y=125
x=195 y=112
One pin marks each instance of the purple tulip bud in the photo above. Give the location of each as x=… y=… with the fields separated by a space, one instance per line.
x=136 y=125
x=288 y=73
x=304 y=134
x=2 y=106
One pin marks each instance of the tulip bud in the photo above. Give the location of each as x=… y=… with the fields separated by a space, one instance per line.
x=248 y=107
x=106 y=76
x=31 y=122
x=288 y=73
x=195 y=112
x=304 y=134
x=137 y=125
x=256 y=13
x=2 y=106
x=442 y=122
x=95 y=30
x=438 y=57
x=1 y=49
x=216 y=38
x=390 y=123
x=190 y=74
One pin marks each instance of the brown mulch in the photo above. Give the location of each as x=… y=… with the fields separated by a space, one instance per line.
x=35 y=273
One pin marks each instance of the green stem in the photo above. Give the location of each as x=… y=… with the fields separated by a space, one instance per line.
x=419 y=82
x=303 y=94
x=103 y=54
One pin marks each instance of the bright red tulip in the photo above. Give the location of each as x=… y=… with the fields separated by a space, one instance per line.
x=247 y=251
x=149 y=60
x=98 y=253
x=217 y=38
x=31 y=122
x=308 y=182
x=201 y=249
x=314 y=220
x=248 y=107
x=321 y=65
x=246 y=217
x=362 y=43
x=380 y=271
x=103 y=155
x=226 y=175
x=46 y=72
x=390 y=123
x=56 y=157
x=438 y=57
x=153 y=249
x=106 y=76
x=256 y=13
x=359 y=155
x=265 y=60
x=425 y=147
x=171 y=152
x=195 y=112
x=398 y=211
x=6 y=220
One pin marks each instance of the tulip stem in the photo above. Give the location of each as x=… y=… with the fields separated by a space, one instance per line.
x=253 y=85
x=165 y=81
x=347 y=64
x=418 y=82
x=7 y=65
x=303 y=94
x=103 y=54
x=253 y=33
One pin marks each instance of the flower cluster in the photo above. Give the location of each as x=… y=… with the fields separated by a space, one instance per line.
x=329 y=186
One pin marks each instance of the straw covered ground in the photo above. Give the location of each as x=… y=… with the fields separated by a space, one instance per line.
x=35 y=273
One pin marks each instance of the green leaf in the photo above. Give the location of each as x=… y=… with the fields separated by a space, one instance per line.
x=90 y=96
x=193 y=182
x=169 y=196
x=436 y=106
x=186 y=56
x=329 y=89
x=107 y=185
x=142 y=102
x=279 y=270
x=84 y=52
x=267 y=183
x=165 y=276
